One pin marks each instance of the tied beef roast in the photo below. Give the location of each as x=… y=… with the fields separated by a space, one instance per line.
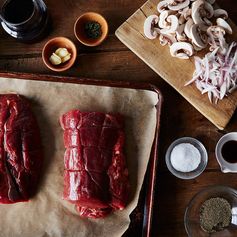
x=95 y=175
x=20 y=149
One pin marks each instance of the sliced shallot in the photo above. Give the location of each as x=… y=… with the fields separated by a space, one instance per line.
x=216 y=73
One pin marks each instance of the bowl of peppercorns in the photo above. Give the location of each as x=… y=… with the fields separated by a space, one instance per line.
x=212 y=212
x=91 y=29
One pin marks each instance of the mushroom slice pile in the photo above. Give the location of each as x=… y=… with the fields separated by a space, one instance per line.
x=190 y=22
x=216 y=73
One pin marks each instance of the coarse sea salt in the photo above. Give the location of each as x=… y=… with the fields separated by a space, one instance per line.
x=185 y=157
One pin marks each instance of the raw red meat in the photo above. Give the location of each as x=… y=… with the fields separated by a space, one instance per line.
x=95 y=175
x=20 y=150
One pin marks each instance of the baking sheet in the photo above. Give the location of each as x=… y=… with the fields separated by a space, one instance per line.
x=47 y=214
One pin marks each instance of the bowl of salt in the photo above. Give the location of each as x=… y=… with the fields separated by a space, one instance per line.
x=186 y=158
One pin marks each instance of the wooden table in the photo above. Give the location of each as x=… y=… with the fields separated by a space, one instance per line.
x=113 y=61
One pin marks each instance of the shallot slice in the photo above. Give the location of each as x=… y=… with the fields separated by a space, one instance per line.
x=216 y=73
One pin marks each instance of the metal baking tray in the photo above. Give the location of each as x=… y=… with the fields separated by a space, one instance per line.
x=141 y=217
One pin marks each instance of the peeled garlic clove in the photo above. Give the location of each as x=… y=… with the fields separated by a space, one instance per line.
x=55 y=59
x=58 y=50
x=62 y=52
x=66 y=58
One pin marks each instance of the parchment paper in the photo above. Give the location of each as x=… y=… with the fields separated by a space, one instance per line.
x=47 y=214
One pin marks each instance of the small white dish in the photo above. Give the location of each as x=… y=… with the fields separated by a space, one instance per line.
x=225 y=166
x=204 y=158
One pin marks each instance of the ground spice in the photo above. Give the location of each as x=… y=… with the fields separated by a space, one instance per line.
x=215 y=214
x=93 y=29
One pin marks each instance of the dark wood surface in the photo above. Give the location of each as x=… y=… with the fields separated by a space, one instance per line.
x=113 y=61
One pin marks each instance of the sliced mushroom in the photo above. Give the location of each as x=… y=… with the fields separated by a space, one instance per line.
x=182 y=11
x=183 y=24
x=181 y=50
x=167 y=39
x=181 y=19
x=162 y=20
x=201 y=10
x=187 y=28
x=196 y=6
x=217 y=39
x=198 y=37
x=224 y=24
x=170 y=1
x=174 y=23
x=180 y=29
x=176 y=5
x=196 y=47
x=211 y=1
x=207 y=22
x=216 y=32
x=220 y=13
x=149 y=27
x=163 y=40
x=186 y=13
x=203 y=27
x=161 y=6
x=208 y=10
x=180 y=35
x=182 y=56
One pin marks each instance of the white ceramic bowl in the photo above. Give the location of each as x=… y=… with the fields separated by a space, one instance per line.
x=195 y=173
x=226 y=167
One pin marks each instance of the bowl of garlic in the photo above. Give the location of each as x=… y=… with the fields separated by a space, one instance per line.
x=59 y=54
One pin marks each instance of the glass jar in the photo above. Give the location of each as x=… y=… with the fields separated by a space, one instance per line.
x=26 y=20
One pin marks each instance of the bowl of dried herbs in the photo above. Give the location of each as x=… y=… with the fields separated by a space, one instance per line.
x=212 y=212
x=91 y=29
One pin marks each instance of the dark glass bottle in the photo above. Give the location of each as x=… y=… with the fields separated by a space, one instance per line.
x=26 y=20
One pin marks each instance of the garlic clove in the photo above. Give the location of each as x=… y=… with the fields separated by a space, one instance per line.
x=62 y=52
x=55 y=59
x=66 y=58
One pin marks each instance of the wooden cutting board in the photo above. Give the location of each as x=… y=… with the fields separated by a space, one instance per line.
x=174 y=71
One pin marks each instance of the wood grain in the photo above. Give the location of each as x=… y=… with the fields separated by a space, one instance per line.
x=114 y=61
x=175 y=71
